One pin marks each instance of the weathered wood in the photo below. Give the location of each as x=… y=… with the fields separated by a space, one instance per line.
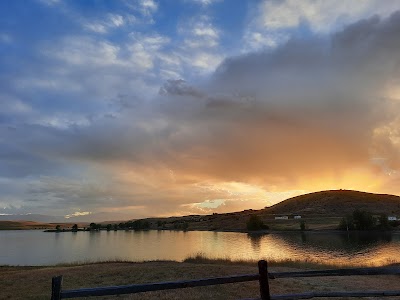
x=263 y=279
x=335 y=294
x=336 y=272
x=56 y=286
x=139 y=288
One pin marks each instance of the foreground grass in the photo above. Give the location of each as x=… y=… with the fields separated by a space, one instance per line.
x=201 y=258
x=35 y=282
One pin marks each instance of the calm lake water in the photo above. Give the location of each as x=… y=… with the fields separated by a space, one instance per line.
x=31 y=247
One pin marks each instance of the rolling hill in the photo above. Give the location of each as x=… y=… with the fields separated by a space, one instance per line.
x=337 y=203
x=320 y=210
x=20 y=225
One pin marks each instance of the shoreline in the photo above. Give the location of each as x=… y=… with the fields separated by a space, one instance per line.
x=257 y=232
x=202 y=259
x=35 y=282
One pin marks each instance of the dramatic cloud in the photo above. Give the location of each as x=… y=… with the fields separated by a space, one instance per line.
x=309 y=109
x=273 y=21
x=161 y=124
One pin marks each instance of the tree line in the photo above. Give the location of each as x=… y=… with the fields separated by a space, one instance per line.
x=365 y=220
x=136 y=225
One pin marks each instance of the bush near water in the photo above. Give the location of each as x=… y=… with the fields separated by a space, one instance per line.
x=365 y=220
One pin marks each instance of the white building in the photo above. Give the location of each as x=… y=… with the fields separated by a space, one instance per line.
x=391 y=218
x=282 y=218
x=297 y=217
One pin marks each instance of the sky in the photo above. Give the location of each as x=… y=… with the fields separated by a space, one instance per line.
x=142 y=108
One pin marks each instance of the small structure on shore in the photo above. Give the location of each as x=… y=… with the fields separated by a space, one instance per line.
x=282 y=218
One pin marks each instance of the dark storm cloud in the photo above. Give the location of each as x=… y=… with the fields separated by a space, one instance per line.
x=179 y=87
x=321 y=96
x=313 y=108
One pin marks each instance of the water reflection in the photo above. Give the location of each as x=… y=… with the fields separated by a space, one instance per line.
x=356 y=248
x=255 y=240
x=39 y=248
x=303 y=238
x=365 y=239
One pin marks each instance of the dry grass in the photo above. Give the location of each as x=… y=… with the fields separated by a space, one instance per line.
x=20 y=225
x=35 y=282
x=337 y=203
x=24 y=225
x=320 y=210
x=201 y=258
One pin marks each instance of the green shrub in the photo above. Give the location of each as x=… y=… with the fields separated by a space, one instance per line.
x=384 y=223
x=359 y=220
x=255 y=223
x=346 y=223
x=363 y=220
x=302 y=225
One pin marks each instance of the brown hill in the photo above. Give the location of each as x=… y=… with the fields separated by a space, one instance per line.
x=337 y=203
x=320 y=210
x=24 y=225
x=19 y=225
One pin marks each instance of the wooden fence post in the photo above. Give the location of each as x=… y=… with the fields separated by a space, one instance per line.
x=56 y=285
x=264 y=284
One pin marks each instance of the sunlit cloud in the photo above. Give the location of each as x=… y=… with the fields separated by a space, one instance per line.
x=123 y=109
x=77 y=214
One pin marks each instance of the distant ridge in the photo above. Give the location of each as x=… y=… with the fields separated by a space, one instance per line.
x=320 y=211
x=94 y=217
x=337 y=203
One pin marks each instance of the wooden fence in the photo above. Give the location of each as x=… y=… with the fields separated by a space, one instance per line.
x=263 y=277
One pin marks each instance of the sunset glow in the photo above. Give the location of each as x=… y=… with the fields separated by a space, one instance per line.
x=150 y=108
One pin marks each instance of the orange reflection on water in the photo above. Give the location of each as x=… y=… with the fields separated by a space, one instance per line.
x=40 y=248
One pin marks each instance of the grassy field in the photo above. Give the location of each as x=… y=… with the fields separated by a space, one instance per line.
x=35 y=282
x=312 y=223
x=22 y=225
x=320 y=211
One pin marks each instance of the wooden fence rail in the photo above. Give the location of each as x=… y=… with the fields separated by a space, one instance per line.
x=263 y=277
x=140 y=288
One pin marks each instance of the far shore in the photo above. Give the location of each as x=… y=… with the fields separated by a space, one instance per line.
x=213 y=223
x=255 y=232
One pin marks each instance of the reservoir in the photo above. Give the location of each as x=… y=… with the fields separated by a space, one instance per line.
x=34 y=247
